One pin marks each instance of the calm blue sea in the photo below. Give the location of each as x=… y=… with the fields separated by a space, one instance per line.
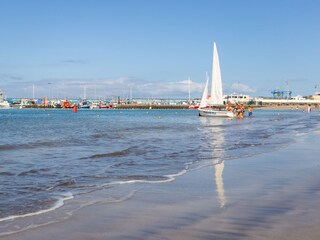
x=50 y=156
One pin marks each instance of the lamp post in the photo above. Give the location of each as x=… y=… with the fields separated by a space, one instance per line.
x=49 y=84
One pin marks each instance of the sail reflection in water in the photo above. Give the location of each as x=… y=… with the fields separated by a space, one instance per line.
x=219 y=183
x=215 y=125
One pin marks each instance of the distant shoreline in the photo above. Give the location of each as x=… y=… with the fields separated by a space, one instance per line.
x=185 y=107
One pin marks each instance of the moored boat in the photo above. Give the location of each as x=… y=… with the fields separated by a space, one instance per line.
x=210 y=112
x=3 y=103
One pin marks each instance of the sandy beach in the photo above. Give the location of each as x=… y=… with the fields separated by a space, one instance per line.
x=272 y=195
x=299 y=107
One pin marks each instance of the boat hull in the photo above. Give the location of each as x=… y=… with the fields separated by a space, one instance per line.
x=4 y=105
x=215 y=113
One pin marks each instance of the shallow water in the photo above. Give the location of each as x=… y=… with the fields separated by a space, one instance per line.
x=54 y=155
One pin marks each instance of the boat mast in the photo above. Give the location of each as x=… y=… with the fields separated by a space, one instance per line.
x=189 y=89
x=84 y=92
x=33 y=91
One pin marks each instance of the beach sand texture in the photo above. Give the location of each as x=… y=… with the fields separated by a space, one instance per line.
x=273 y=195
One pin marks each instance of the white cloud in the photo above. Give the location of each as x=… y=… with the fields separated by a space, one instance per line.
x=171 y=89
x=106 y=88
x=242 y=88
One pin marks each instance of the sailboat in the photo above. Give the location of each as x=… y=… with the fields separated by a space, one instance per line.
x=212 y=106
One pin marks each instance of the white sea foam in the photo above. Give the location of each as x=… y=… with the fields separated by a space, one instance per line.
x=174 y=176
x=58 y=204
x=170 y=178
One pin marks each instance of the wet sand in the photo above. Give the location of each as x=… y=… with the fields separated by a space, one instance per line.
x=298 y=107
x=273 y=195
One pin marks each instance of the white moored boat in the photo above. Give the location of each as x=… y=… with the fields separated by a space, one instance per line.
x=209 y=112
x=3 y=104
x=213 y=106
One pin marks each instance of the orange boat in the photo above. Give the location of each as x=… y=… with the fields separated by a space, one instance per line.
x=67 y=104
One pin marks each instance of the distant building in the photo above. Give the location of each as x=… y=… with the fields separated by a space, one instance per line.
x=316 y=96
x=298 y=97
x=237 y=98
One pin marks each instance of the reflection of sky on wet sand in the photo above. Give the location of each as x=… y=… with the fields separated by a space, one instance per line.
x=217 y=143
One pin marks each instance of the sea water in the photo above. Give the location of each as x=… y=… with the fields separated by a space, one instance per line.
x=50 y=157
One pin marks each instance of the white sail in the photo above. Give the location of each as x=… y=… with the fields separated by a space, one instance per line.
x=204 y=99
x=216 y=85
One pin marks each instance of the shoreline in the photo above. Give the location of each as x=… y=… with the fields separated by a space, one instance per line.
x=267 y=196
x=281 y=106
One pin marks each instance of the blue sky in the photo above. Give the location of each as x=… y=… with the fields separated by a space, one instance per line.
x=152 y=47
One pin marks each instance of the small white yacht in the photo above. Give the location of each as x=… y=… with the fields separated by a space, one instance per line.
x=3 y=103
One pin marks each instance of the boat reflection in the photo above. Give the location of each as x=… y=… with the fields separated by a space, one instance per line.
x=215 y=126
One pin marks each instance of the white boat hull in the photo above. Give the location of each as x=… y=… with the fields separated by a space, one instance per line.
x=4 y=105
x=215 y=113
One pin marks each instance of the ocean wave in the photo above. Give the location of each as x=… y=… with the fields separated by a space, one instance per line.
x=5 y=147
x=13 y=227
x=166 y=179
x=131 y=150
x=31 y=145
x=6 y=174
x=66 y=183
x=112 y=154
x=59 y=203
x=33 y=172
x=244 y=145
x=136 y=177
